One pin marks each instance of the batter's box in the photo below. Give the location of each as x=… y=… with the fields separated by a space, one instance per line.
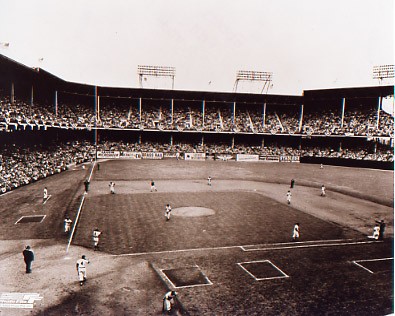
x=31 y=219
x=186 y=277
x=376 y=265
x=262 y=270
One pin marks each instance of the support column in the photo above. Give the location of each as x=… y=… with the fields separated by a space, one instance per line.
x=264 y=115
x=95 y=130
x=234 y=113
x=379 y=106
x=343 y=109
x=32 y=96
x=12 y=93
x=56 y=103
x=301 y=117
x=203 y=111
x=172 y=112
x=233 y=142
x=140 y=101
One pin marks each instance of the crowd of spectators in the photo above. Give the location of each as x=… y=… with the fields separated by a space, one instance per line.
x=23 y=165
x=216 y=118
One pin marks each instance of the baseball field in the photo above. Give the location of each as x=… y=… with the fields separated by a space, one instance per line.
x=226 y=250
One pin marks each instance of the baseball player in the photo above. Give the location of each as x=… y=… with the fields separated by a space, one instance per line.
x=382 y=228
x=81 y=269
x=168 y=301
x=295 y=235
x=323 y=193
x=112 y=187
x=95 y=237
x=167 y=212
x=45 y=196
x=67 y=224
x=289 y=196
x=209 y=181
x=376 y=231
x=153 y=187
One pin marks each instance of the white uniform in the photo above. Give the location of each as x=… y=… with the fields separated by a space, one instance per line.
x=168 y=301
x=295 y=232
x=289 y=196
x=81 y=269
x=45 y=196
x=168 y=211
x=112 y=187
x=376 y=232
x=153 y=187
x=95 y=236
x=323 y=193
x=209 y=181
x=67 y=225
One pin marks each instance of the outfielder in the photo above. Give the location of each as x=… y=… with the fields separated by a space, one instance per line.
x=167 y=212
x=112 y=187
x=67 y=224
x=289 y=196
x=323 y=193
x=168 y=301
x=295 y=235
x=153 y=187
x=95 y=236
x=81 y=269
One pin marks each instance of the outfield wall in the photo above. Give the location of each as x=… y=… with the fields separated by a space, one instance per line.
x=384 y=165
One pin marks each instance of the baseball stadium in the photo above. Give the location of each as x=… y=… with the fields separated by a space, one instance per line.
x=228 y=246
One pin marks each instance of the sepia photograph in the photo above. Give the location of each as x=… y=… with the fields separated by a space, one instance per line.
x=188 y=157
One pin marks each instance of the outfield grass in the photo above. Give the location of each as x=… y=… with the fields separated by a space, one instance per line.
x=249 y=209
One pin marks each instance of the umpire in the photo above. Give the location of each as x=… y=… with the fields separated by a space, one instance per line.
x=28 y=257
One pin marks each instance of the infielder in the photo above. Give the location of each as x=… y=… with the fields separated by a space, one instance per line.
x=289 y=196
x=67 y=224
x=167 y=212
x=168 y=301
x=81 y=269
x=95 y=236
x=112 y=187
x=323 y=193
x=295 y=235
x=209 y=181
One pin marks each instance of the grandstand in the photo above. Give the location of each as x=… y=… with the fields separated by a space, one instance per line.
x=50 y=126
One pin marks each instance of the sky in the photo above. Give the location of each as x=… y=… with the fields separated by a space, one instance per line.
x=306 y=44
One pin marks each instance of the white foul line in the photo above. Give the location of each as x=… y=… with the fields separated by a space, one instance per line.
x=369 y=260
x=311 y=246
x=241 y=247
x=363 y=267
x=78 y=213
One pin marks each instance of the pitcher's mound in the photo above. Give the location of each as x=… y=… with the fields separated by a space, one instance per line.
x=192 y=211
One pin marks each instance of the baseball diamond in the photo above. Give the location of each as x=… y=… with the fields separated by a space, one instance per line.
x=229 y=238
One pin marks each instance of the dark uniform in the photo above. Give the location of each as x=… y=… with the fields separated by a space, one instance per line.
x=28 y=256
x=382 y=229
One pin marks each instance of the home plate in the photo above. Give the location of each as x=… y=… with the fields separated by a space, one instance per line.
x=192 y=211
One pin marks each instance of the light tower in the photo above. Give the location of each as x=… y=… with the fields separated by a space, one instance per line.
x=248 y=75
x=383 y=72
x=155 y=71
